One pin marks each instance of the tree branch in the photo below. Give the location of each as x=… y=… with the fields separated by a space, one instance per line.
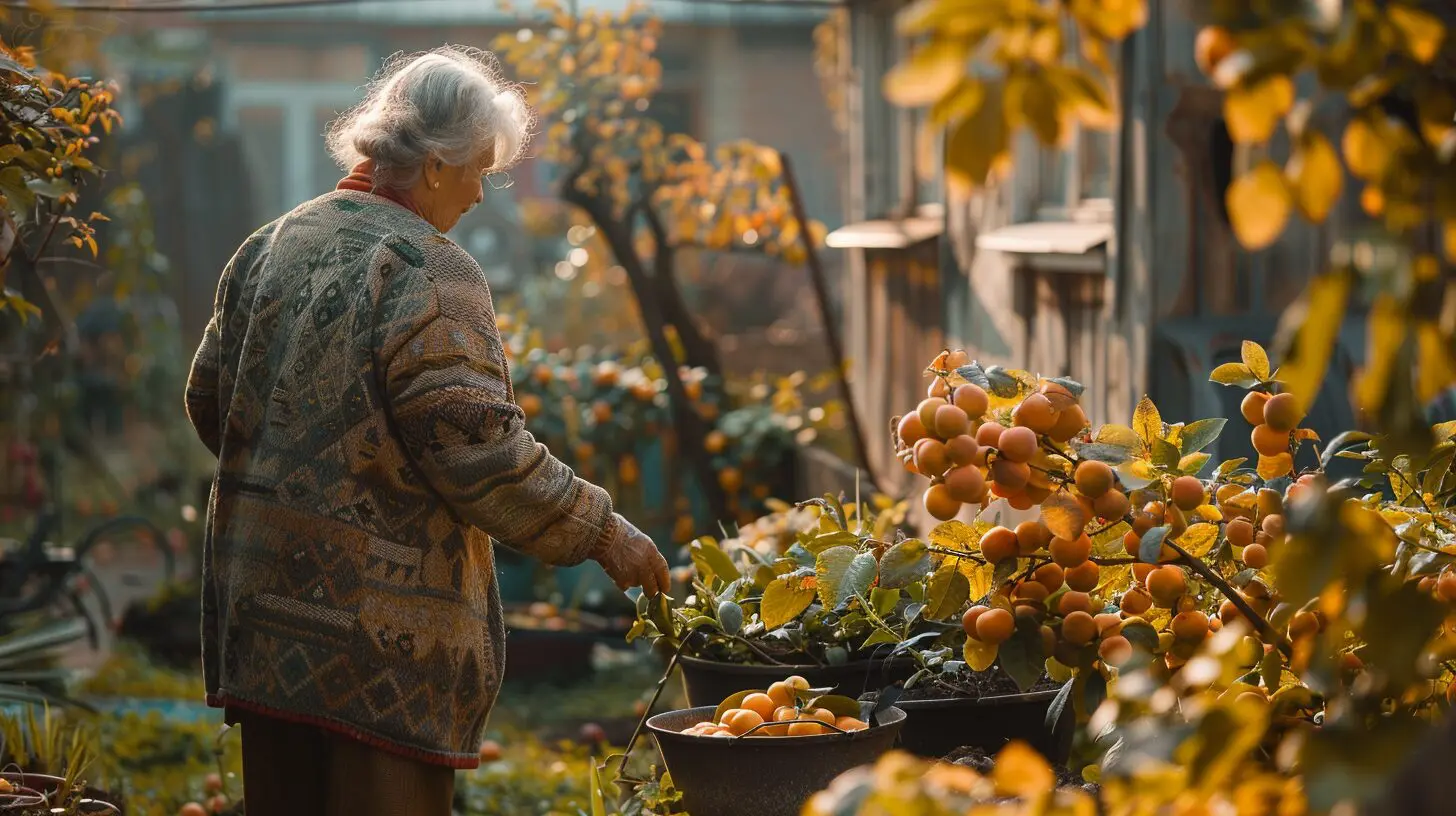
x=1208 y=574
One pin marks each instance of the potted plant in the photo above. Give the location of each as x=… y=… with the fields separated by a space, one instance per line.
x=823 y=607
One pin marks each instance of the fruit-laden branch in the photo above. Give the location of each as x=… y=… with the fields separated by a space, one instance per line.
x=1210 y=575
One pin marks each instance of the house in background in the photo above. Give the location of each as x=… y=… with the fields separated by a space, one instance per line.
x=1110 y=261
x=268 y=81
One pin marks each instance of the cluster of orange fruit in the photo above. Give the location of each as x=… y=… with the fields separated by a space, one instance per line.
x=1274 y=417
x=949 y=440
x=783 y=707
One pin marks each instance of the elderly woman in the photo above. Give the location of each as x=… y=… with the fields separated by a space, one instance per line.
x=354 y=388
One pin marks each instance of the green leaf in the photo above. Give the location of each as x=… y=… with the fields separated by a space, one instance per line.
x=1236 y=374
x=841 y=705
x=843 y=573
x=1102 y=452
x=1136 y=473
x=880 y=636
x=1199 y=435
x=883 y=600
x=1228 y=466
x=835 y=538
x=733 y=701
x=9 y=152
x=975 y=375
x=710 y=561
x=1193 y=463
x=1021 y=655
x=903 y=563
x=783 y=602
x=949 y=591
x=1071 y=385
x=1256 y=359
x=1150 y=546
x=1141 y=635
x=1164 y=454
x=1345 y=440
x=1008 y=384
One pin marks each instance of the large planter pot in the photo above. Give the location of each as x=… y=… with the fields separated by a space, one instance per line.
x=766 y=776
x=543 y=654
x=934 y=728
x=709 y=682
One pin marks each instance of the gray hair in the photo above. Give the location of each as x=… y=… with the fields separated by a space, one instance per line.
x=452 y=102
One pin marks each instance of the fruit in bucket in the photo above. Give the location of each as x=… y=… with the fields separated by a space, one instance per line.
x=788 y=708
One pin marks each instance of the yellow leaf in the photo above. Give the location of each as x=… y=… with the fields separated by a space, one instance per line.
x=1147 y=422
x=1315 y=173
x=1198 y=539
x=1258 y=205
x=1253 y=112
x=961 y=102
x=1063 y=515
x=1021 y=771
x=1450 y=239
x=1233 y=374
x=1423 y=32
x=1367 y=152
x=1032 y=101
x=929 y=74
x=957 y=18
x=1272 y=467
x=1119 y=435
x=1385 y=333
x=979 y=656
x=1433 y=357
x=978 y=143
x=1255 y=358
x=1303 y=373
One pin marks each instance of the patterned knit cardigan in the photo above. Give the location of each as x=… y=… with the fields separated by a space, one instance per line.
x=354 y=388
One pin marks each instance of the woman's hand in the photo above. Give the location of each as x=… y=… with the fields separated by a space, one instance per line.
x=636 y=561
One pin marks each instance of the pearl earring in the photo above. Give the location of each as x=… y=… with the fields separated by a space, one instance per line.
x=437 y=185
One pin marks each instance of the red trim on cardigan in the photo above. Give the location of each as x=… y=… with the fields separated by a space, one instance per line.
x=361 y=179
x=455 y=761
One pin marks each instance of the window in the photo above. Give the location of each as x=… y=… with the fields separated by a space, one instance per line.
x=260 y=131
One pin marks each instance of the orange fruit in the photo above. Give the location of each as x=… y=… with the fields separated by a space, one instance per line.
x=1018 y=444
x=950 y=422
x=1032 y=536
x=1273 y=525
x=807 y=729
x=1084 y=576
x=989 y=435
x=1036 y=412
x=1050 y=576
x=1078 y=628
x=796 y=682
x=927 y=410
x=192 y=809
x=1071 y=552
x=938 y=388
x=1140 y=572
x=1132 y=542
x=1114 y=650
x=931 y=457
x=490 y=751
x=1255 y=556
x=1070 y=422
x=972 y=399
x=1303 y=624
x=761 y=704
x=741 y=720
x=1253 y=407
x=966 y=484
x=1446 y=586
x=822 y=715
x=995 y=626
x=968 y=620
x=940 y=504
x=1010 y=475
x=782 y=694
x=1191 y=625
x=1212 y=47
x=998 y=544
x=911 y=429
x=1282 y=413
x=1136 y=601
x=1187 y=493
x=1030 y=591
x=1111 y=505
x=962 y=449
x=1268 y=441
x=1167 y=585
x=1074 y=601
x=1093 y=478
x=851 y=724
x=1240 y=532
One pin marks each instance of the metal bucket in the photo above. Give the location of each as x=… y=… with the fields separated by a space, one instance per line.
x=767 y=776
x=708 y=682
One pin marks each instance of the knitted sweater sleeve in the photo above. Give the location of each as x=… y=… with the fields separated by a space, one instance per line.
x=448 y=385
x=204 y=408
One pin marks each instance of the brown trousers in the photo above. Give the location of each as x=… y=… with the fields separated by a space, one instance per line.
x=291 y=769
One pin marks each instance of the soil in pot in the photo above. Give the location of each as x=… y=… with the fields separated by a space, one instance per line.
x=725 y=776
x=986 y=712
x=707 y=682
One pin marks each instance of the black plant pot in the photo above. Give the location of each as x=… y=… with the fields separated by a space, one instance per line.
x=709 y=682
x=765 y=776
x=934 y=728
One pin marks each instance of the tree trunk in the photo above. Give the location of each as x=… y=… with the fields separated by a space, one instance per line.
x=698 y=349
x=687 y=424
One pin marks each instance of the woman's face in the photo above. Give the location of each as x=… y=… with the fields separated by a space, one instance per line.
x=453 y=191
